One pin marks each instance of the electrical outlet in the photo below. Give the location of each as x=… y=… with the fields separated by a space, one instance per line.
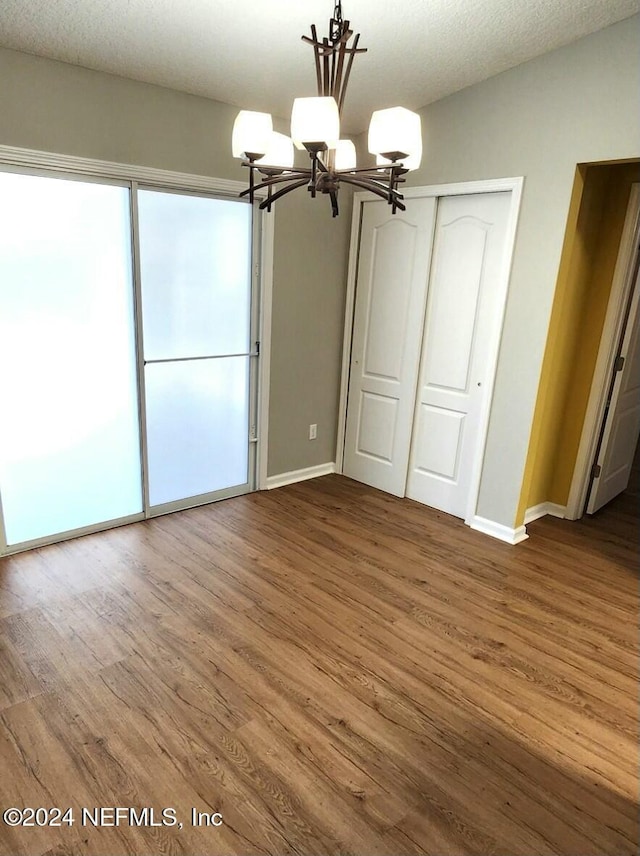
x=313 y=431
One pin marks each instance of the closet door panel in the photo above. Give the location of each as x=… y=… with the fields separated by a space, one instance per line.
x=461 y=317
x=390 y=292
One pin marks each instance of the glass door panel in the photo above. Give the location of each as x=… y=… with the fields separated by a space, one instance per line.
x=196 y=427
x=69 y=429
x=195 y=272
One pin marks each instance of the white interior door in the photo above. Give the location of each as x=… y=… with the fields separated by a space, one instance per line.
x=462 y=314
x=622 y=420
x=392 y=279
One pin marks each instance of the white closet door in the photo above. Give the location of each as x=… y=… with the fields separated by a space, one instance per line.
x=462 y=313
x=390 y=296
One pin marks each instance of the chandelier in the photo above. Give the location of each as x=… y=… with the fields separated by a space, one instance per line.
x=394 y=135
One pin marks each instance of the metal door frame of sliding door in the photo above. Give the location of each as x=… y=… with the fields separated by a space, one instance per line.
x=253 y=354
x=32 y=162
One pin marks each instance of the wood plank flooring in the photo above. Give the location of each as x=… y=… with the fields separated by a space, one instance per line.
x=334 y=671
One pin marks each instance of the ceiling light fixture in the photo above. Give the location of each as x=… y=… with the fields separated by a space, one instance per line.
x=394 y=135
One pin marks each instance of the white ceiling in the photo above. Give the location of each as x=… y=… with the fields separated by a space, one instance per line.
x=249 y=52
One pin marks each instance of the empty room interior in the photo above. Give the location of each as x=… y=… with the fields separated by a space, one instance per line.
x=319 y=428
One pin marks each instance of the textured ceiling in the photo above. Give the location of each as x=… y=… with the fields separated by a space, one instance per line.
x=249 y=52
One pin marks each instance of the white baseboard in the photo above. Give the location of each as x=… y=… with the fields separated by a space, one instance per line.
x=300 y=475
x=497 y=530
x=544 y=508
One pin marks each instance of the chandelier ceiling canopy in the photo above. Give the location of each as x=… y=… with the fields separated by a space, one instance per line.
x=394 y=135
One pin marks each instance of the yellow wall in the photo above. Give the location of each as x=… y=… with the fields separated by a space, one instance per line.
x=592 y=238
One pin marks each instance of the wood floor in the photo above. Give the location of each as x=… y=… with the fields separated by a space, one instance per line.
x=334 y=671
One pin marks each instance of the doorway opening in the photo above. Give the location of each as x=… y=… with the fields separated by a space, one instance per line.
x=585 y=333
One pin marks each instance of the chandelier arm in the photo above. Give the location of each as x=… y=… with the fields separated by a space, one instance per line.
x=378 y=172
x=282 y=192
x=393 y=183
x=333 y=70
x=314 y=41
x=263 y=185
x=269 y=170
x=325 y=68
x=293 y=175
x=249 y=191
x=371 y=183
x=338 y=79
x=316 y=56
x=284 y=174
x=279 y=179
x=343 y=91
x=339 y=48
x=323 y=48
x=392 y=198
x=370 y=173
x=312 y=180
x=376 y=179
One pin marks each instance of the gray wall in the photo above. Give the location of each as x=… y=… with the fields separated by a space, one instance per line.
x=308 y=319
x=577 y=104
x=55 y=107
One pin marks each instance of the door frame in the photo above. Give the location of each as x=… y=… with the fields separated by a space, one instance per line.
x=612 y=332
x=263 y=230
x=512 y=185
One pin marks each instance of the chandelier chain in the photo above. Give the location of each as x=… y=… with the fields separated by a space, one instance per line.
x=337 y=23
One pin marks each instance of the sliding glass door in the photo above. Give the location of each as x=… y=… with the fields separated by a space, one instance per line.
x=127 y=378
x=195 y=273
x=69 y=435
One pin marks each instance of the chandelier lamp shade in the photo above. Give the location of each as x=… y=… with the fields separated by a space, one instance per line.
x=394 y=138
